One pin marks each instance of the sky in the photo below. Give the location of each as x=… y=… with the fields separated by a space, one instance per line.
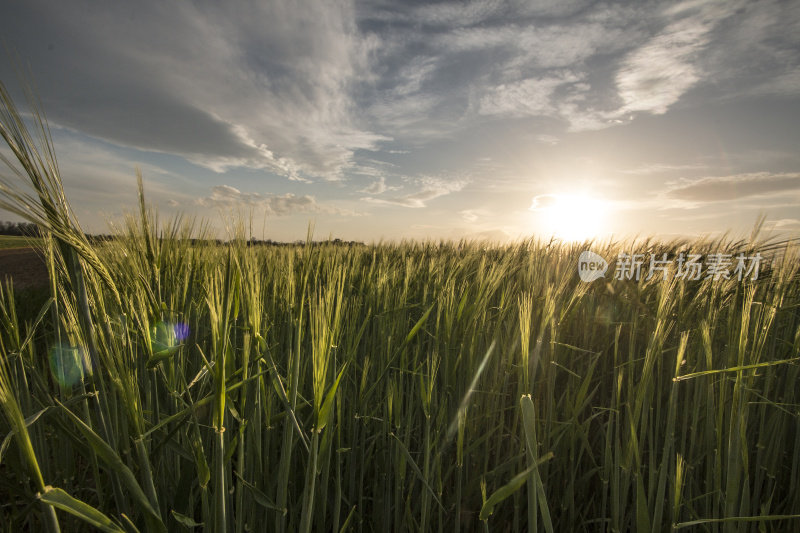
x=385 y=120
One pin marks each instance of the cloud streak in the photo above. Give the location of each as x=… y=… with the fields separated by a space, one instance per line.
x=379 y=186
x=430 y=189
x=656 y=75
x=735 y=187
x=227 y=197
x=529 y=97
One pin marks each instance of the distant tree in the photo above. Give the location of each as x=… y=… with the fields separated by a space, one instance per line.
x=19 y=229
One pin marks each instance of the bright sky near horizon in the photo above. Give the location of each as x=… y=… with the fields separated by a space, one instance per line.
x=388 y=120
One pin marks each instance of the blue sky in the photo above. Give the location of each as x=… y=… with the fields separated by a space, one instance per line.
x=388 y=120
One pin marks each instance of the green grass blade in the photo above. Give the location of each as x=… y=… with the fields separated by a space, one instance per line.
x=59 y=499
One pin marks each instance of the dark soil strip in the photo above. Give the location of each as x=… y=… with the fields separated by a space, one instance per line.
x=25 y=266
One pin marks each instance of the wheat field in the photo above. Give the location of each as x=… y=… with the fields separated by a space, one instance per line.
x=171 y=383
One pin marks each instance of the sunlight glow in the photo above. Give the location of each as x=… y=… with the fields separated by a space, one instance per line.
x=570 y=217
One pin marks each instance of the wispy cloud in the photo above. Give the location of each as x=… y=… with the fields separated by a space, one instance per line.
x=378 y=186
x=656 y=75
x=530 y=97
x=762 y=39
x=543 y=201
x=784 y=223
x=206 y=82
x=548 y=139
x=662 y=168
x=429 y=189
x=379 y=95
x=470 y=215
x=460 y=14
x=735 y=187
x=301 y=99
x=706 y=42
x=225 y=196
x=540 y=46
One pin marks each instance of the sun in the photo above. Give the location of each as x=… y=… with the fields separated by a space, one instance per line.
x=570 y=217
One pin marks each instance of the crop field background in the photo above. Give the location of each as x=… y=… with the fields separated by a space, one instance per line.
x=10 y=242
x=166 y=385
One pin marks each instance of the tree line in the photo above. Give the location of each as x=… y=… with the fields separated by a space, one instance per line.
x=27 y=229
x=19 y=229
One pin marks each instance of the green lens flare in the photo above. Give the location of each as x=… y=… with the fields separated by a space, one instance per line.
x=68 y=364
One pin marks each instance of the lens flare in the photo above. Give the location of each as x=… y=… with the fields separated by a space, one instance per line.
x=166 y=335
x=181 y=331
x=69 y=364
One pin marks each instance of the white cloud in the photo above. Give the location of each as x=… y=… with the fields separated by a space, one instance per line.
x=659 y=73
x=227 y=197
x=548 y=139
x=412 y=76
x=529 y=97
x=790 y=223
x=316 y=91
x=404 y=112
x=459 y=13
x=429 y=189
x=660 y=168
x=734 y=187
x=470 y=215
x=543 y=201
x=260 y=85
x=580 y=118
x=378 y=186
x=479 y=217
x=540 y=46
